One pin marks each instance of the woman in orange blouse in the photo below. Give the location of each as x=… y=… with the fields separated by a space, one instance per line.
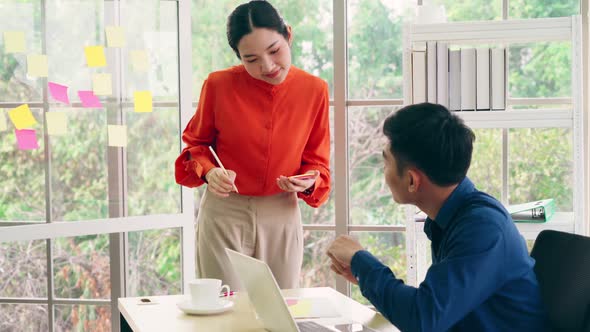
x=267 y=120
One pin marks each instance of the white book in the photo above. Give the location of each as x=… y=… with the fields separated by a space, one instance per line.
x=442 y=74
x=498 y=82
x=431 y=71
x=468 y=70
x=483 y=78
x=455 y=80
x=418 y=77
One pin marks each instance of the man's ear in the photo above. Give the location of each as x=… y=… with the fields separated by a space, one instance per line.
x=290 y=33
x=415 y=180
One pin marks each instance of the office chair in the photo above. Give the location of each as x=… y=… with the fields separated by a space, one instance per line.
x=563 y=270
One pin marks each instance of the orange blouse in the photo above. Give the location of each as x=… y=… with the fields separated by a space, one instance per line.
x=260 y=131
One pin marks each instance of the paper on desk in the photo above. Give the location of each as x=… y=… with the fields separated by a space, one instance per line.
x=311 y=307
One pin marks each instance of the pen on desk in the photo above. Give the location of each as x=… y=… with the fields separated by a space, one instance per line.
x=221 y=165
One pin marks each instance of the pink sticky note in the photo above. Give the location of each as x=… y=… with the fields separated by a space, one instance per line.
x=26 y=139
x=291 y=302
x=88 y=99
x=59 y=92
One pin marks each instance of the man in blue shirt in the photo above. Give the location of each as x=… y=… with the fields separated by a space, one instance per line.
x=482 y=277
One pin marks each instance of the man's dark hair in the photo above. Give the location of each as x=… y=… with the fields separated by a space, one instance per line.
x=248 y=16
x=432 y=139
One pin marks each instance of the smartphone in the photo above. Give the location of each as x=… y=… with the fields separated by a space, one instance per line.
x=302 y=177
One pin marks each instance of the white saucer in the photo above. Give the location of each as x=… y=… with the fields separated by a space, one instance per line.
x=189 y=308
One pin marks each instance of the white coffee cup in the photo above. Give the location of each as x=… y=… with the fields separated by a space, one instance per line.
x=205 y=292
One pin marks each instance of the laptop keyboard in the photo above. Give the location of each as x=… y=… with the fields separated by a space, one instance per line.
x=312 y=327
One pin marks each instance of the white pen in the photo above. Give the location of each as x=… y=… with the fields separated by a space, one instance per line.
x=221 y=165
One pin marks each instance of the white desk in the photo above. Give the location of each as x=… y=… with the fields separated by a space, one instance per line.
x=165 y=316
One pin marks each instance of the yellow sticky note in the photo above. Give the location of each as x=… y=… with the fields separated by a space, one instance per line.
x=57 y=123
x=115 y=36
x=37 y=65
x=143 y=101
x=22 y=117
x=95 y=56
x=3 y=125
x=301 y=309
x=102 y=84
x=117 y=135
x=139 y=60
x=14 y=42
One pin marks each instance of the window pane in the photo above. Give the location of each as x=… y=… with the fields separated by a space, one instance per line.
x=540 y=70
x=23 y=317
x=151 y=26
x=82 y=318
x=312 y=36
x=473 y=10
x=69 y=68
x=79 y=167
x=316 y=264
x=541 y=166
x=486 y=162
x=153 y=146
x=375 y=48
x=543 y=8
x=23 y=269
x=22 y=175
x=371 y=202
x=23 y=16
x=81 y=267
x=154 y=262
x=389 y=248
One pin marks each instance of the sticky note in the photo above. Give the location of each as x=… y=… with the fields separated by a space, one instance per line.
x=37 y=65
x=102 y=84
x=301 y=309
x=115 y=36
x=22 y=117
x=57 y=123
x=3 y=124
x=95 y=56
x=139 y=60
x=14 y=41
x=117 y=135
x=89 y=99
x=26 y=139
x=143 y=101
x=59 y=92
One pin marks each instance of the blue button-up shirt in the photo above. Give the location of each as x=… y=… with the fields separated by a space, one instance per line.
x=481 y=278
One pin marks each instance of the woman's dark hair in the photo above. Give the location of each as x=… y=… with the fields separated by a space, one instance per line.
x=432 y=139
x=250 y=15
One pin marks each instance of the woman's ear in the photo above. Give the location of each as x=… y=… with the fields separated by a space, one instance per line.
x=290 y=34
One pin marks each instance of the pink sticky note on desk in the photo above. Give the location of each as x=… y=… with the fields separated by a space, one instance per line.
x=26 y=139
x=59 y=92
x=89 y=99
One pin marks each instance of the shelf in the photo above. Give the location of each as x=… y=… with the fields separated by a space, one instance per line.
x=509 y=31
x=561 y=221
x=524 y=118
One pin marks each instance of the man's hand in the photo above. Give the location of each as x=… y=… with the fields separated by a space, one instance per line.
x=341 y=252
x=219 y=183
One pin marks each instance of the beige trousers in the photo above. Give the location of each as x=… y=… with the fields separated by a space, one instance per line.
x=264 y=227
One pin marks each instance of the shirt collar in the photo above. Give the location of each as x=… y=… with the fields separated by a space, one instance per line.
x=453 y=203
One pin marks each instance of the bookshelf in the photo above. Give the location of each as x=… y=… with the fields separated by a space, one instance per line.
x=503 y=34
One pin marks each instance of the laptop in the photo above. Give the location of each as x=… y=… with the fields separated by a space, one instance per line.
x=266 y=297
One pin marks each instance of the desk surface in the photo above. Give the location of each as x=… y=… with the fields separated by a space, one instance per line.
x=165 y=316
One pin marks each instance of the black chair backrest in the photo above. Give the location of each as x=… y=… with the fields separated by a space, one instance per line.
x=563 y=270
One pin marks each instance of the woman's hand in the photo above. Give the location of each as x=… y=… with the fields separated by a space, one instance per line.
x=297 y=185
x=218 y=183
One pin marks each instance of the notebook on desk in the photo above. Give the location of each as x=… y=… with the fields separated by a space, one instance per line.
x=270 y=306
